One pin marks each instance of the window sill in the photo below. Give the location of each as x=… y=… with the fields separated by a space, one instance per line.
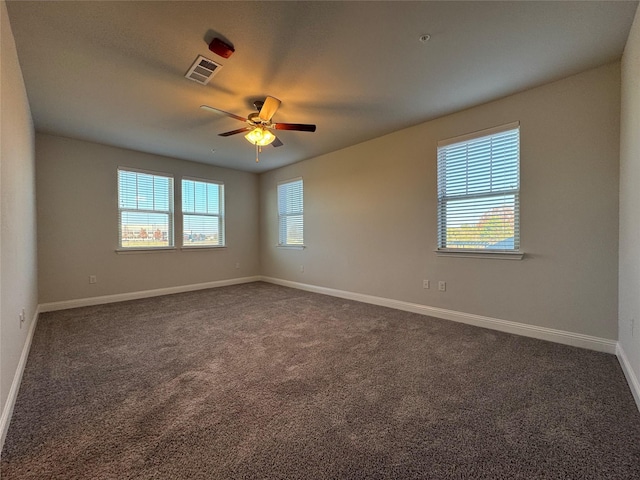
x=130 y=251
x=497 y=255
x=192 y=248
x=292 y=247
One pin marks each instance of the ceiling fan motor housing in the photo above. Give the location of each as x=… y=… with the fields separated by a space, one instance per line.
x=254 y=118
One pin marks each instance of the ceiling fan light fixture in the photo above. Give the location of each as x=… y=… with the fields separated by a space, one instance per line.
x=260 y=136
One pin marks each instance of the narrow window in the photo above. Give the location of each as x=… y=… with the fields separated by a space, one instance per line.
x=145 y=209
x=290 y=213
x=202 y=213
x=479 y=191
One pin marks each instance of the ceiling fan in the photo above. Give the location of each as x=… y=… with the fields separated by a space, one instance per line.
x=259 y=124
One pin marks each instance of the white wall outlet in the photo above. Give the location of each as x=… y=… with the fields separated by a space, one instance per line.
x=442 y=286
x=426 y=284
x=301 y=268
x=237 y=264
x=93 y=279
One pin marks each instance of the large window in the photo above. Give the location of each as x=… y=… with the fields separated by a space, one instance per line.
x=202 y=213
x=478 y=191
x=145 y=209
x=290 y=213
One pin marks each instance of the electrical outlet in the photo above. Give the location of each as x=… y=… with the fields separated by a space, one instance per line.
x=237 y=264
x=93 y=279
x=426 y=284
x=442 y=286
x=301 y=268
x=22 y=317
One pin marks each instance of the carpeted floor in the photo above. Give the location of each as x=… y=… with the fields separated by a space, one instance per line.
x=259 y=381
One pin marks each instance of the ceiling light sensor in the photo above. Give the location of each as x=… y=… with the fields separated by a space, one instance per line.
x=424 y=38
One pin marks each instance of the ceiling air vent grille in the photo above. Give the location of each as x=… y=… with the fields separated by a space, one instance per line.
x=203 y=70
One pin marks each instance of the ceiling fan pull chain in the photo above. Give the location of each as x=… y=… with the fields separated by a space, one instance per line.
x=257 y=153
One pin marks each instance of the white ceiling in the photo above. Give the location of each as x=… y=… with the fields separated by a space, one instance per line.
x=113 y=72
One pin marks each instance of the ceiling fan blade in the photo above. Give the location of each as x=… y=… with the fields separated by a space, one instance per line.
x=277 y=142
x=271 y=104
x=234 y=132
x=217 y=110
x=301 y=127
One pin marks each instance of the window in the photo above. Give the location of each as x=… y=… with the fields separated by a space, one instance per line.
x=202 y=213
x=290 y=213
x=478 y=191
x=145 y=209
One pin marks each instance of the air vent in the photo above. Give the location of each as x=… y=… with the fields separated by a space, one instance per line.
x=203 y=70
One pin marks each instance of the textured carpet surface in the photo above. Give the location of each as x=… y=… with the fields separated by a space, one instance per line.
x=259 y=381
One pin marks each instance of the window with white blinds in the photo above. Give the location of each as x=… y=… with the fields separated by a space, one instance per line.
x=145 y=209
x=202 y=213
x=291 y=213
x=478 y=191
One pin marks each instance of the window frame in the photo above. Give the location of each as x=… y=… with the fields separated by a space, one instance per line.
x=285 y=212
x=220 y=216
x=169 y=212
x=443 y=199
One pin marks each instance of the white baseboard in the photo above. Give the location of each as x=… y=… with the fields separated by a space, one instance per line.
x=533 y=331
x=632 y=379
x=7 y=411
x=122 y=297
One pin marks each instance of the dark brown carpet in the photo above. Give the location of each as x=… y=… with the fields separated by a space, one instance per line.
x=259 y=381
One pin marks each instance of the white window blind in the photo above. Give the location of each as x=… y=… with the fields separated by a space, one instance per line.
x=291 y=213
x=145 y=209
x=478 y=191
x=202 y=213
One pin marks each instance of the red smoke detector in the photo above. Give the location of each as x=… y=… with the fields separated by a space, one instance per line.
x=221 y=48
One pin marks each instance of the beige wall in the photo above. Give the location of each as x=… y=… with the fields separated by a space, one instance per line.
x=630 y=201
x=78 y=224
x=370 y=213
x=18 y=284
